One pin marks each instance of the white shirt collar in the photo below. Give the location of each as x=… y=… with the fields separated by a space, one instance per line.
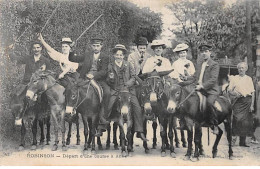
x=37 y=58
x=119 y=64
x=157 y=57
x=96 y=55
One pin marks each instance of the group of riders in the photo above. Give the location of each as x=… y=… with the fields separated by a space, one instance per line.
x=121 y=72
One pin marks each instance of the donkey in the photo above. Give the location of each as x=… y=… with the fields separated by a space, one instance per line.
x=26 y=115
x=184 y=102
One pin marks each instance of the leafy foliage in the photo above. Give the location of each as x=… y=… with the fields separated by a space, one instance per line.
x=213 y=22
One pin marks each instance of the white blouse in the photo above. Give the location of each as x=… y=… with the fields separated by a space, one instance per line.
x=179 y=68
x=151 y=64
x=243 y=85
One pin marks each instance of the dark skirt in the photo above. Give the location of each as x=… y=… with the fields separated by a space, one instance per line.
x=242 y=117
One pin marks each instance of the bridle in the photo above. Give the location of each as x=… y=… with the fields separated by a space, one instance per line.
x=78 y=104
x=153 y=86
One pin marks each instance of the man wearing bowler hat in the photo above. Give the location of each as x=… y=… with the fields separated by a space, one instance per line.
x=139 y=57
x=207 y=81
x=94 y=67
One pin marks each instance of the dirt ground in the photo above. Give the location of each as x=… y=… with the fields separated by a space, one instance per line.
x=10 y=155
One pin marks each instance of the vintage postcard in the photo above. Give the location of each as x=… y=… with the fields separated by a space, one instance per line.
x=129 y=82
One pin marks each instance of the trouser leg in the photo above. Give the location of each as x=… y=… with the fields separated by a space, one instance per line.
x=137 y=114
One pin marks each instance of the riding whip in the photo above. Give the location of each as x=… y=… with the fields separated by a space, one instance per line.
x=50 y=17
x=86 y=29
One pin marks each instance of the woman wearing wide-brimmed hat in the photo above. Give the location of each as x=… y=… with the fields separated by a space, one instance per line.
x=157 y=62
x=183 y=67
x=63 y=57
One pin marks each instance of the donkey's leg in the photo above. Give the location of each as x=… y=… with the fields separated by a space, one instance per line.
x=54 y=114
x=34 y=131
x=163 y=136
x=177 y=142
x=146 y=149
x=23 y=132
x=108 y=137
x=48 y=135
x=41 y=124
x=93 y=132
x=69 y=133
x=197 y=140
x=78 y=135
x=215 y=146
x=190 y=139
x=85 y=123
x=89 y=135
x=154 y=125
x=183 y=139
x=129 y=135
x=165 y=127
x=115 y=125
x=99 y=143
x=170 y=135
x=229 y=137
x=63 y=130
x=122 y=136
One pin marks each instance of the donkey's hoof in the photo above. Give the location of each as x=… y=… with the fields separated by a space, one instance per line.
x=68 y=142
x=231 y=158
x=116 y=147
x=54 y=147
x=154 y=146
x=64 y=148
x=124 y=154
x=100 y=147
x=41 y=143
x=173 y=155
x=130 y=154
x=202 y=153
x=33 y=147
x=93 y=152
x=177 y=145
x=21 y=148
x=214 y=154
x=47 y=143
x=195 y=159
x=78 y=142
x=147 y=151
x=88 y=146
x=186 y=158
x=163 y=154
x=85 y=152
x=184 y=145
x=107 y=146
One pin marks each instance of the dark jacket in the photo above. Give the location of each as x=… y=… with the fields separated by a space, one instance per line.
x=86 y=64
x=210 y=78
x=128 y=75
x=30 y=65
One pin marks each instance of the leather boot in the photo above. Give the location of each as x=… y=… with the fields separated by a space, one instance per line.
x=99 y=133
x=141 y=136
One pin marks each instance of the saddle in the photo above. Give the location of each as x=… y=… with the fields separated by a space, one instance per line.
x=203 y=102
x=97 y=87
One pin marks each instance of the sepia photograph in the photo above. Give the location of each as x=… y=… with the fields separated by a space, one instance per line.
x=129 y=82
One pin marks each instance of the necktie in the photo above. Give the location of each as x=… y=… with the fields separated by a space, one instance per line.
x=204 y=64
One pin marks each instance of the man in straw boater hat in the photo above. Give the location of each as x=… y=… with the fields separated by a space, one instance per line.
x=67 y=67
x=157 y=62
x=207 y=81
x=183 y=68
x=121 y=75
x=139 y=57
x=94 y=67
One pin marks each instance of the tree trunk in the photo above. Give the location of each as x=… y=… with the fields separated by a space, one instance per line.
x=248 y=38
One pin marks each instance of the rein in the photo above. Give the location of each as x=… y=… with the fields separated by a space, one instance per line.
x=82 y=99
x=186 y=98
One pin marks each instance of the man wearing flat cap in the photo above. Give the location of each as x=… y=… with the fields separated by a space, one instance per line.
x=207 y=81
x=121 y=76
x=94 y=67
x=139 y=57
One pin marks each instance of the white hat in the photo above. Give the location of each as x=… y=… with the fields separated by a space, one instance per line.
x=66 y=40
x=157 y=43
x=180 y=47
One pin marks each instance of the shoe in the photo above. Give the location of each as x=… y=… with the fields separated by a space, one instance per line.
x=254 y=141
x=141 y=136
x=102 y=120
x=99 y=133
x=215 y=130
x=244 y=145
